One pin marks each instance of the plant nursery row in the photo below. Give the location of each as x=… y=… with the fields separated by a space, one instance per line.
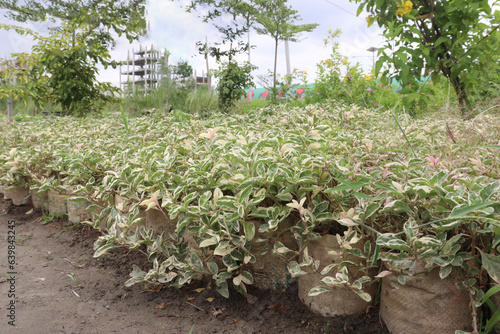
x=357 y=205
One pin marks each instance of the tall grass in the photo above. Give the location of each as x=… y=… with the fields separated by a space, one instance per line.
x=201 y=101
x=124 y=118
x=27 y=107
x=19 y=107
x=171 y=95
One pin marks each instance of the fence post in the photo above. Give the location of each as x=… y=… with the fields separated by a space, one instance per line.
x=9 y=108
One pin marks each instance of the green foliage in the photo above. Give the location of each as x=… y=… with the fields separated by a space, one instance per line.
x=455 y=39
x=124 y=118
x=26 y=106
x=183 y=70
x=244 y=106
x=329 y=78
x=488 y=95
x=52 y=217
x=233 y=185
x=171 y=94
x=337 y=79
x=240 y=10
x=494 y=320
x=68 y=64
x=124 y=17
x=62 y=69
x=273 y=18
x=277 y=20
x=233 y=79
x=20 y=117
x=202 y=101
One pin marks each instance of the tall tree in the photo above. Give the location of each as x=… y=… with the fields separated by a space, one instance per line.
x=60 y=69
x=247 y=12
x=455 y=38
x=126 y=17
x=277 y=20
x=233 y=77
x=236 y=9
x=269 y=17
x=63 y=66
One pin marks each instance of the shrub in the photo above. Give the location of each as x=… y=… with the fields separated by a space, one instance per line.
x=233 y=79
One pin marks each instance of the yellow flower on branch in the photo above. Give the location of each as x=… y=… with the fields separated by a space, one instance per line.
x=404 y=8
x=369 y=19
x=367 y=77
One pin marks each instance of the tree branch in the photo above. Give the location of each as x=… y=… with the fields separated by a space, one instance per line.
x=482 y=39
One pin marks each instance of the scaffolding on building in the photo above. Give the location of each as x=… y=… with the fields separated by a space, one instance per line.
x=144 y=70
x=5 y=79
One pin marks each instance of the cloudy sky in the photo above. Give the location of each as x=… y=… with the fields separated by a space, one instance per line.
x=172 y=28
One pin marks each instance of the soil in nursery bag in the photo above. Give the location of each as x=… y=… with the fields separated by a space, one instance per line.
x=426 y=304
x=60 y=288
x=338 y=301
x=18 y=195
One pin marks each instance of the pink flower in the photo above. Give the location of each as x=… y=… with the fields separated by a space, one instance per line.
x=79 y=145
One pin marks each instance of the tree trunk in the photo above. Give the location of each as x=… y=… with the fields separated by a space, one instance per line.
x=274 y=74
x=248 y=35
x=459 y=87
x=463 y=99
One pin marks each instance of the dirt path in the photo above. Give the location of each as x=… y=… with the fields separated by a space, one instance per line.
x=60 y=288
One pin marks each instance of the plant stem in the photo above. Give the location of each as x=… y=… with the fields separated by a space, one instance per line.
x=124 y=117
x=402 y=131
x=474 y=315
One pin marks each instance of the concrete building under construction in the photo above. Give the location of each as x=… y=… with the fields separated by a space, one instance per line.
x=145 y=68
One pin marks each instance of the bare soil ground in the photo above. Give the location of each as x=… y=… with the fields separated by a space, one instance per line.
x=60 y=288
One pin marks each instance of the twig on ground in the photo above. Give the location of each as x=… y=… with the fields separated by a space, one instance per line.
x=193 y=305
